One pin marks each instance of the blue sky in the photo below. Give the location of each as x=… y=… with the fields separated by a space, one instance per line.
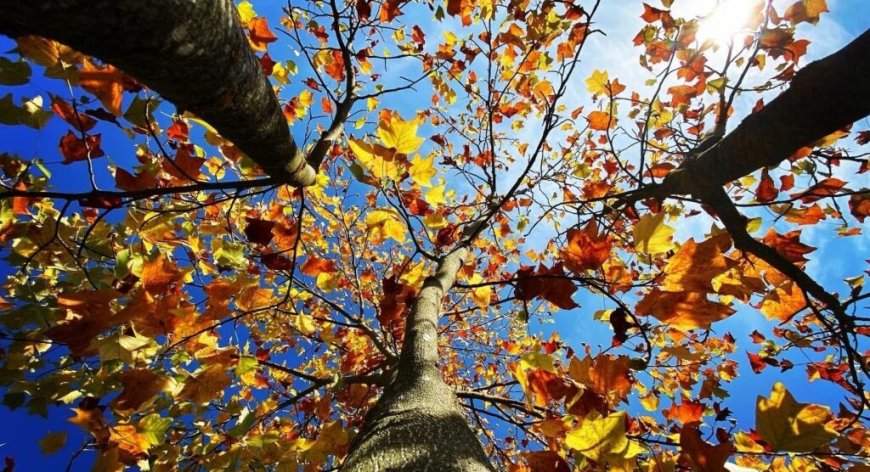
x=836 y=258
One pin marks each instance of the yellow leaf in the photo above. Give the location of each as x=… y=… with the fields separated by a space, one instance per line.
x=388 y=223
x=422 y=169
x=401 y=135
x=480 y=295
x=651 y=235
x=603 y=439
x=305 y=324
x=434 y=221
x=246 y=12
x=435 y=195
x=597 y=82
x=380 y=161
x=328 y=281
x=787 y=425
x=52 y=442
x=205 y=385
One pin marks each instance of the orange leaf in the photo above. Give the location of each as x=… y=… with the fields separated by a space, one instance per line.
x=606 y=374
x=65 y=111
x=550 y=284
x=683 y=310
x=158 y=274
x=788 y=245
x=260 y=35
x=784 y=302
x=205 y=385
x=686 y=412
x=703 y=456
x=823 y=189
x=106 y=83
x=693 y=266
x=389 y=10
x=859 y=205
x=586 y=249
x=599 y=120
x=314 y=266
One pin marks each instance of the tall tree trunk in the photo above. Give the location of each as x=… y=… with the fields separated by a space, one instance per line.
x=194 y=53
x=417 y=424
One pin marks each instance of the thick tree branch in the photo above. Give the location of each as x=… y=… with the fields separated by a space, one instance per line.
x=824 y=97
x=193 y=53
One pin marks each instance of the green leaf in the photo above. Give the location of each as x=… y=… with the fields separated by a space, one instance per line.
x=153 y=427
x=14 y=73
x=244 y=423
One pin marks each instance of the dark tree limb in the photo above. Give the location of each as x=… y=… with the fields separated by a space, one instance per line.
x=194 y=53
x=824 y=97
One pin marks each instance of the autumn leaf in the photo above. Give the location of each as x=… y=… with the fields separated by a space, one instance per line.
x=694 y=265
x=399 y=135
x=387 y=223
x=805 y=10
x=52 y=442
x=686 y=412
x=600 y=120
x=683 y=310
x=259 y=33
x=766 y=190
x=825 y=188
x=74 y=149
x=651 y=235
x=783 y=302
x=158 y=274
x=205 y=385
x=607 y=375
x=551 y=284
x=140 y=385
x=787 y=425
x=703 y=456
x=105 y=82
x=259 y=231
x=381 y=162
x=314 y=266
x=602 y=438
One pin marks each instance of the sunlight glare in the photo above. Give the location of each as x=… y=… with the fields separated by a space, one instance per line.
x=722 y=21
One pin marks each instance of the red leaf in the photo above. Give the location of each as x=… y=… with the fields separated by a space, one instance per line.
x=75 y=149
x=550 y=284
x=686 y=412
x=766 y=191
x=178 y=131
x=587 y=249
x=259 y=231
x=277 y=262
x=363 y=9
x=79 y=121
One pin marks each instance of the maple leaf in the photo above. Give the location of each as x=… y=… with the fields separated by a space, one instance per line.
x=205 y=385
x=787 y=425
x=703 y=456
x=66 y=112
x=159 y=274
x=651 y=235
x=683 y=310
x=783 y=302
x=552 y=285
x=140 y=385
x=602 y=438
x=805 y=10
x=74 y=149
x=314 y=266
x=259 y=33
x=106 y=83
x=389 y=10
x=586 y=249
x=388 y=223
x=766 y=190
x=686 y=412
x=694 y=265
x=607 y=375
x=259 y=231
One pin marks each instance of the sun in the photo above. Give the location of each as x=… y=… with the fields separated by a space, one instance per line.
x=720 y=20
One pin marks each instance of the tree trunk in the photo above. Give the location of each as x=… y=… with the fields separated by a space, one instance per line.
x=417 y=424
x=194 y=53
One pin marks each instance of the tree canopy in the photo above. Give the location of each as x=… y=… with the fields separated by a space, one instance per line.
x=392 y=235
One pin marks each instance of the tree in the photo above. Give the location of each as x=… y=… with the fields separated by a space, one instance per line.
x=238 y=301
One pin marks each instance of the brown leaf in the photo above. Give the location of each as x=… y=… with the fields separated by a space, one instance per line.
x=74 y=149
x=259 y=231
x=766 y=191
x=140 y=385
x=550 y=284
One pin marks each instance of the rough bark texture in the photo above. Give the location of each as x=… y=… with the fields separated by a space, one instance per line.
x=194 y=53
x=824 y=97
x=417 y=424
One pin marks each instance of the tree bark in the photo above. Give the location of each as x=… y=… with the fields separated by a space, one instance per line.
x=194 y=53
x=417 y=424
x=824 y=97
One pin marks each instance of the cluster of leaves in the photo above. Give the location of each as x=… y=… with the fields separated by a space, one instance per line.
x=197 y=314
